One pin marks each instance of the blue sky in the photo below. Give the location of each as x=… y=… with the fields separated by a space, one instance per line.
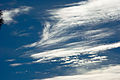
x=60 y=40
x=9 y=41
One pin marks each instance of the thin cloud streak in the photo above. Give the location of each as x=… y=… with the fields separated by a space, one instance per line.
x=15 y=64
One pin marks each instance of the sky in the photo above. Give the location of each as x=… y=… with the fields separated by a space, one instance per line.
x=60 y=40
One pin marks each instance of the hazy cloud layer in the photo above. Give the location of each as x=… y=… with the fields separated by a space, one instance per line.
x=108 y=73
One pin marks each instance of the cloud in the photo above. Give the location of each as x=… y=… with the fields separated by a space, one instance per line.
x=8 y=15
x=15 y=64
x=10 y=60
x=76 y=30
x=20 y=33
x=107 y=73
x=90 y=13
x=66 y=52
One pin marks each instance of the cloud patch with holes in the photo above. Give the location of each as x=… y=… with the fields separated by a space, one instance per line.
x=8 y=15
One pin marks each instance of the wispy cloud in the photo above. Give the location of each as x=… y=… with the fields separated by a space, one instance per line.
x=20 y=33
x=8 y=15
x=76 y=30
x=90 y=13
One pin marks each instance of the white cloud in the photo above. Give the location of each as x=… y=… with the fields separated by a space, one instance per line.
x=10 y=60
x=67 y=52
x=92 y=12
x=73 y=31
x=108 y=73
x=15 y=64
x=8 y=15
